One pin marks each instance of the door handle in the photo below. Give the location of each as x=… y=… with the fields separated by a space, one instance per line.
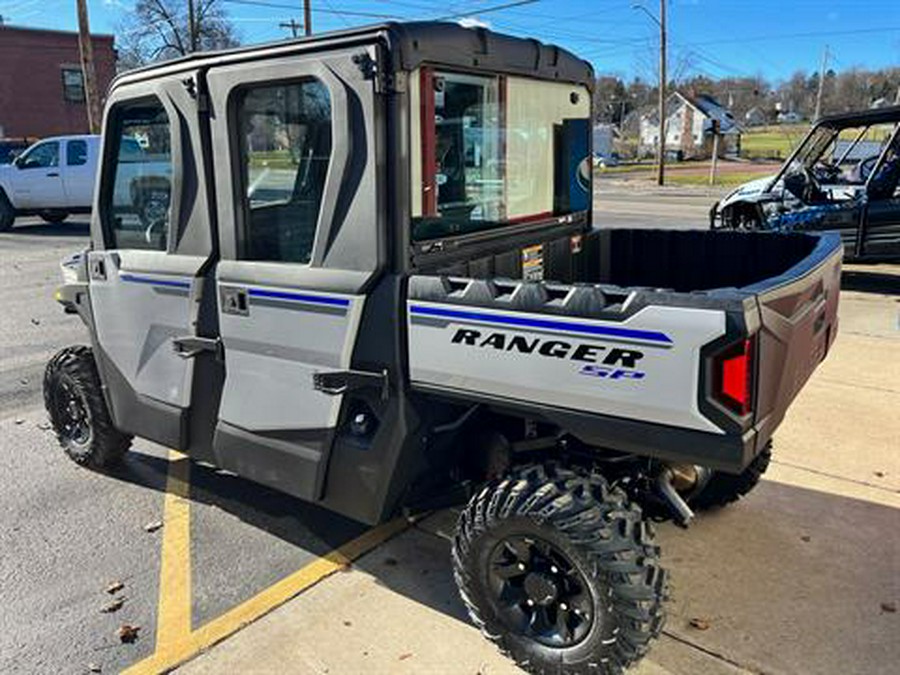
x=234 y=300
x=190 y=346
x=98 y=269
x=53 y=174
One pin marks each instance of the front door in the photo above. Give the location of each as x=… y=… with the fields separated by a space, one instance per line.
x=295 y=156
x=146 y=274
x=38 y=184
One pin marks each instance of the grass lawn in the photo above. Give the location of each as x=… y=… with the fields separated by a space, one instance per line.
x=731 y=179
x=772 y=141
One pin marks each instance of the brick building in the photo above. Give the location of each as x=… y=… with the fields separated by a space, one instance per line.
x=41 y=85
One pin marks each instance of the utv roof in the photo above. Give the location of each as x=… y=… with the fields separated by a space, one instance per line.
x=877 y=116
x=410 y=44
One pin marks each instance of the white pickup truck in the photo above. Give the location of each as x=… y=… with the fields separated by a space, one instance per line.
x=53 y=178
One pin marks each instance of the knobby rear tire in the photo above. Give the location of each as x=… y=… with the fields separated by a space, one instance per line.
x=606 y=538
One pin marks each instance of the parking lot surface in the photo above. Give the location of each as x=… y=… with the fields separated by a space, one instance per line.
x=803 y=576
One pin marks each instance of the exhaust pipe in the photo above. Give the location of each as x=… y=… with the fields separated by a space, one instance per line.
x=680 y=510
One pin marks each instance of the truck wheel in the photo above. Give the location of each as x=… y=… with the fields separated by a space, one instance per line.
x=54 y=217
x=560 y=571
x=7 y=213
x=724 y=488
x=74 y=400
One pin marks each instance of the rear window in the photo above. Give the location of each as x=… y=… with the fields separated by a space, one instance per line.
x=495 y=150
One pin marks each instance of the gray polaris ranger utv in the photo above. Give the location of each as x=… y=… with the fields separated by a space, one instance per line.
x=372 y=282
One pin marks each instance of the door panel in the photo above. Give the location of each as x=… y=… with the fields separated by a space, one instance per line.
x=146 y=283
x=298 y=222
x=882 y=235
x=38 y=183
x=80 y=171
x=142 y=300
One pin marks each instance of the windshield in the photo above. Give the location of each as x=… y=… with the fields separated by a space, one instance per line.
x=494 y=151
x=841 y=156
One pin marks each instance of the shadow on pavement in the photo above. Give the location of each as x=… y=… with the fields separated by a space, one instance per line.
x=870 y=282
x=789 y=580
x=292 y=520
x=69 y=228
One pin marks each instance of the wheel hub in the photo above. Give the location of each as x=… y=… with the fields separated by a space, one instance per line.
x=540 y=589
x=539 y=592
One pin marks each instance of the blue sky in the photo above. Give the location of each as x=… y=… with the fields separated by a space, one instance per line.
x=772 y=38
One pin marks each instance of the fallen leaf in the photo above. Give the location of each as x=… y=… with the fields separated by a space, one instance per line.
x=36 y=322
x=113 y=606
x=19 y=420
x=23 y=381
x=879 y=474
x=700 y=624
x=128 y=633
x=154 y=526
x=403 y=657
x=806 y=537
x=888 y=607
x=94 y=668
x=115 y=587
x=348 y=623
x=44 y=426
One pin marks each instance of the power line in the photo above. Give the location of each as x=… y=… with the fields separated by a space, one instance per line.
x=479 y=12
x=281 y=5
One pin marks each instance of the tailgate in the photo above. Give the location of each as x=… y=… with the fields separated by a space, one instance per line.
x=798 y=323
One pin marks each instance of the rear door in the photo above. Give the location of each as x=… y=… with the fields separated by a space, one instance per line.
x=80 y=171
x=295 y=159
x=146 y=275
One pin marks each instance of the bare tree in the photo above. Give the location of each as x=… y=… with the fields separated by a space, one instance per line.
x=165 y=29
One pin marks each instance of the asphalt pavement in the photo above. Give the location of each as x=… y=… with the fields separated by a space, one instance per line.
x=801 y=577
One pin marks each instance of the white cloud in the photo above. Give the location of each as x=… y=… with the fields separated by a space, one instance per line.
x=473 y=22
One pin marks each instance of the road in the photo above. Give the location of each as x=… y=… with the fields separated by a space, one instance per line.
x=827 y=519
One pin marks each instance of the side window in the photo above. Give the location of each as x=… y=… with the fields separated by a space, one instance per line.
x=284 y=133
x=76 y=153
x=137 y=184
x=41 y=156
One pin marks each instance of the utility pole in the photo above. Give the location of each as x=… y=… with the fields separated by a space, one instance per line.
x=821 y=83
x=661 y=154
x=713 y=166
x=293 y=25
x=661 y=145
x=91 y=97
x=192 y=26
x=307 y=18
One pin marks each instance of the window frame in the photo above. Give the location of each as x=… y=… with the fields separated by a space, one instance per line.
x=71 y=142
x=67 y=88
x=240 y=175
x=110 y=153
x=29 y=151
x=422 y=149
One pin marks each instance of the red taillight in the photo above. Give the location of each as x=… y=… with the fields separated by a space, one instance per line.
x=734 y=377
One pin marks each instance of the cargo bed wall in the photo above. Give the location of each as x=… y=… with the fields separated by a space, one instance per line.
x=679 y=260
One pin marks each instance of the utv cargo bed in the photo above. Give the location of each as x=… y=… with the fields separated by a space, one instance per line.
x=686 y=345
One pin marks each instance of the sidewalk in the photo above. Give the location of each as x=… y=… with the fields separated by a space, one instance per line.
x=803 y=576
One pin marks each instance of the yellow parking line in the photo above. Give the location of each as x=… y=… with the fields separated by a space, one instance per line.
x=173 y=621
x=175 y=641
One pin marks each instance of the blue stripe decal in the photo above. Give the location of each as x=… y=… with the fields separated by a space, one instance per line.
x=135 y=279
x=609 y=331
x=300 y=297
